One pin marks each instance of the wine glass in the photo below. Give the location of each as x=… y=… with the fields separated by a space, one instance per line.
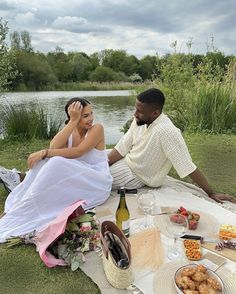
x=176 y=226
x=145 y=203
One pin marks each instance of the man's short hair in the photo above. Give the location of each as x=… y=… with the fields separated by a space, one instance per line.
x=152 y=96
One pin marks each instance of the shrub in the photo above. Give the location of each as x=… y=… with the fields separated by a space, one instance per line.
x=106 y=74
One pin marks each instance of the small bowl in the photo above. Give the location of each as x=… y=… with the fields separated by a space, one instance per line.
x=209 y=272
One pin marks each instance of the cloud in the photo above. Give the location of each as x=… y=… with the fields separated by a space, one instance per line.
x=139 y=26
x=77 y=25
x=4 y=5
x=26 y=20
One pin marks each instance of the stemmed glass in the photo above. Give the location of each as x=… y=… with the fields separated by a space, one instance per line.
x=176 y=226
x=146 y=202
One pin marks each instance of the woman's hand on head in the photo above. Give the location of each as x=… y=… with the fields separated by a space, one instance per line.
x=75 y=110
x=35 y=158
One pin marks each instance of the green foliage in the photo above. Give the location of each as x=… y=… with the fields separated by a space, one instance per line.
x=200 y=98
x=8 y=70
x=130 y=65
x=90 y=86
x=27 y=121
x=177 y=78
x=106 y=74
x=214 y=108
x=149 y=67
x=26 y=41
x=81 y=66
x=135 y=78
x=35 y=71
x=60 y=64
x=113 y=59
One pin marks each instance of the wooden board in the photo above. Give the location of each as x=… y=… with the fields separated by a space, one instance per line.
x=228 y=253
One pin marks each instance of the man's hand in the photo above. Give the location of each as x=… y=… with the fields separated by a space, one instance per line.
x=218 y=197
x=35 y=158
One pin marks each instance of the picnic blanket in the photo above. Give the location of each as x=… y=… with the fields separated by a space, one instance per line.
x=172 y=193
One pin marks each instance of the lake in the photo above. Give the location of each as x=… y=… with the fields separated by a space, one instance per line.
x=111 y=108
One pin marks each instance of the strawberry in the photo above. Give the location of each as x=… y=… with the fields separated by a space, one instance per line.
x=185 y=213
x=193 y=224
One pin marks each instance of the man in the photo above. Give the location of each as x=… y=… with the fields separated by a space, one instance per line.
x=152 y=145
x=146 y=153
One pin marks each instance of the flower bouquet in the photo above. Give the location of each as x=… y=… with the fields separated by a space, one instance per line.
x=81 y=235
x=64 y=240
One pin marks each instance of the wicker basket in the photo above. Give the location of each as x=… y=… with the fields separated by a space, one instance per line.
x=117 y=277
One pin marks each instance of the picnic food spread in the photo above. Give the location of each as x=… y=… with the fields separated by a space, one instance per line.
x=193 y=217
x=192 y=249
x=196 y=279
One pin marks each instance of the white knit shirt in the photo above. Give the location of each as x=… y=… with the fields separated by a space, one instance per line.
x=151 y=151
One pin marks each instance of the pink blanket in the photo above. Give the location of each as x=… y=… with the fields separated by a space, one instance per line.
x=53 y=230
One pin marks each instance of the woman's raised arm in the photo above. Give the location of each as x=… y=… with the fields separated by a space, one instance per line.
x=61 y=138
x=94 y=139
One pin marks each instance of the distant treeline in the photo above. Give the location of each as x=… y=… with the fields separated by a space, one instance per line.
x=38 y=70
x=51 y=71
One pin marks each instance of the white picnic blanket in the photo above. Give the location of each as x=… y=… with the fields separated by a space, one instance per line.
x=173 y=193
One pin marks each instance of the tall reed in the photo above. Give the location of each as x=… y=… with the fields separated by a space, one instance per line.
x=27 y=121
x=214 y=108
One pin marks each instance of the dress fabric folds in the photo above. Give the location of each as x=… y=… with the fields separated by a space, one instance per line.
x=51 y=186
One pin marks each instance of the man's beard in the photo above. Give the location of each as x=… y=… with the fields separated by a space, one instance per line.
x=140 y=122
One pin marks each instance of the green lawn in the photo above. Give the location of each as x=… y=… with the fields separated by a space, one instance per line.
x=21 y=270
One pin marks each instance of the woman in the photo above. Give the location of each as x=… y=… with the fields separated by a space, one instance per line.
x=75 y=167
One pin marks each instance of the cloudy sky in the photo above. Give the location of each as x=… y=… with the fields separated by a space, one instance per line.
x=140 y=27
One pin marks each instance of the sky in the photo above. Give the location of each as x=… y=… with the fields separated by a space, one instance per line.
x=141 y=27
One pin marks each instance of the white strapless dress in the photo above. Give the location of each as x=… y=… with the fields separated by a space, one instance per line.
x=51 y=186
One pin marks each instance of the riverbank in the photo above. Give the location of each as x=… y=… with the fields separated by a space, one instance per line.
x=88 y=86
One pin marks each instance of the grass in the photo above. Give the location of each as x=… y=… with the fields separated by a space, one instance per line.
x=21 y=270
x=215 y=156
x=86 y=86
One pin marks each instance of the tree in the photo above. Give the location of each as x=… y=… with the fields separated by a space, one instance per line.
x=94 y=60
x=35 y=71
x=106 y=74
x=26 y=41
x=148 y=67
x=81 y=66
x=60 y=64
x=8 y=70
x=114 y=59
x=21 y=41
x=15 y=40
x=129 y=65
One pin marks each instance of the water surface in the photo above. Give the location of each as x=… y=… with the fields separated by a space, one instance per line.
x=111 y=108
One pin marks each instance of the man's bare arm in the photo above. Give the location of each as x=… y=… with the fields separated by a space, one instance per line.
x=114 y=156
x=202 y=182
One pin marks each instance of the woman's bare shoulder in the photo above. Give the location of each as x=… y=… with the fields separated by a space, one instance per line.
x=98 y=126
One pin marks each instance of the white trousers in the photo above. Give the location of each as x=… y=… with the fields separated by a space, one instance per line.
x=124 y=177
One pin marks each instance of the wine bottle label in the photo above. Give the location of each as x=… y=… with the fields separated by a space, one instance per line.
x=125 y=225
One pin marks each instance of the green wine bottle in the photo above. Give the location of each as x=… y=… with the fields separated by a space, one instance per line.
x=122 y=214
